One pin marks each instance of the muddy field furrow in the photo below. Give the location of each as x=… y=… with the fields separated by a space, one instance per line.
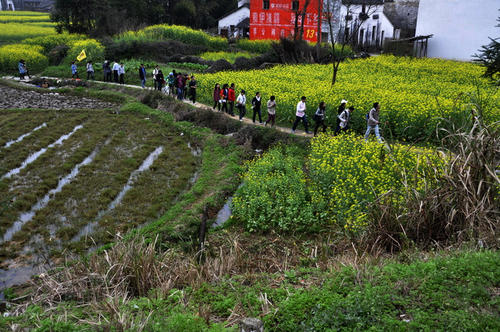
x=33 y=182
x=14 y=124
x=130 y=139
x=15 y=155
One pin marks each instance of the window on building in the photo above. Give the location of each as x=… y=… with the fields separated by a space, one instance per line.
x=265 y=4
x=295 y=5
x=374 y=31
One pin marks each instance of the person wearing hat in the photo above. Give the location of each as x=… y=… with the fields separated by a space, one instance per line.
x=340 y=110
x=344 y=118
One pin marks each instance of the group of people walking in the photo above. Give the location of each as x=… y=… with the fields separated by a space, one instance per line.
x=225 y=99
x=176 y=84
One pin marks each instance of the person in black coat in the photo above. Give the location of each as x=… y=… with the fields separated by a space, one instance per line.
x=160 y=79
x=256 y=106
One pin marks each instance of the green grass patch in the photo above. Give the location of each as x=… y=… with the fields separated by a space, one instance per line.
x=229 y=56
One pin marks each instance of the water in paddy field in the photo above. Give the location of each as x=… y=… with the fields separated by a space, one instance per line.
x=37 y=154
x=16 y=276
x=146 y=164
x=27 y=216
x=195 y=151
x=224 y=213
x=20 y=138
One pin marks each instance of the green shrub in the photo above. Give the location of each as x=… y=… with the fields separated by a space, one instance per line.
x=15 y=32
x=175 y=32
x=229 y=56
x=190 y=66
x=51 y=41
x=274 y=194
x=11 y=54
x=255 y=46
x=93 y=49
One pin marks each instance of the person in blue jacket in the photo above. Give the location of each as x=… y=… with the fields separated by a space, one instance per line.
x=74 y=70
x=23 y=71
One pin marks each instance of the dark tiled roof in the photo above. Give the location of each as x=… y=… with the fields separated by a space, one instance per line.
x=363 y=2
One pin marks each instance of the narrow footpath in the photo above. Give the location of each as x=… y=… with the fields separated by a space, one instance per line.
x=246 y=120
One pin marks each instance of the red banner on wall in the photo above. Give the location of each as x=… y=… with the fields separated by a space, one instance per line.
x=276 y=18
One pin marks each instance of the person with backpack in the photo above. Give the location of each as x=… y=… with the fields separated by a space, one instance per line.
x=231 y=97
x=90 y=70
x=217 y=96
x=74 y=70
x=256 y=105
x=300 y=115
x=271 y=111
x=193 y=85
x=224 y=93
x=319 y=118
x=372 y=122
x=241 y=104
x=142 y=75
x=339 y=111
x=345 y=118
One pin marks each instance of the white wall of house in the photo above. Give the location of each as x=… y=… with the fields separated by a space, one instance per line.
x=9 y=5
x=460 y=27
x=234 y=18
x=373 y=30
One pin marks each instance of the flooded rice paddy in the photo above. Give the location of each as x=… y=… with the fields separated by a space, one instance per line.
x=74 y=179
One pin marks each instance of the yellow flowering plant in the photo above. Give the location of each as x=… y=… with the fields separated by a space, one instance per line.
x=415 y=94
x=347 y=174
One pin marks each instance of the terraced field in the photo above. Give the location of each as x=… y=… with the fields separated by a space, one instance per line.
x=75 y=178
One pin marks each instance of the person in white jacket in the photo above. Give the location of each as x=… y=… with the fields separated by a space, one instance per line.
x=90 y=70
x=344 y=119
x=121 y=73
x=116 y=67
x=241 y=104
x=300 y=115
x=155 y=72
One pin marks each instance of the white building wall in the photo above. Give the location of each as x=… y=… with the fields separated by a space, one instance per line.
x=234 y=18
x=9 y=4
x=384 y=28
x=460 y=27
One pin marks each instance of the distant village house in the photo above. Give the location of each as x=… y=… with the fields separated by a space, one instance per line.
x=7 y=5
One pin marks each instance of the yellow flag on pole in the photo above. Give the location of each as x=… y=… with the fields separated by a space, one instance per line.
x=81 y=56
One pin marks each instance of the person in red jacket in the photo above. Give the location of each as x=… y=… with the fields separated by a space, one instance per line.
x=231 y=98
x=224 y=93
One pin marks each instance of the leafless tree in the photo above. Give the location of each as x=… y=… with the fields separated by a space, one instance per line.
x=348 y=28
x=299 y=31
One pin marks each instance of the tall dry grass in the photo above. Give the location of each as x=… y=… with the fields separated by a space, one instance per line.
x=465 y=205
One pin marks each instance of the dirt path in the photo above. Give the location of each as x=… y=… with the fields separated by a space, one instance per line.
x=248 y=121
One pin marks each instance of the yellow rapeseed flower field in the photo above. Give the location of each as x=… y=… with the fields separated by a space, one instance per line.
x=414 y=93
x=347 y=174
